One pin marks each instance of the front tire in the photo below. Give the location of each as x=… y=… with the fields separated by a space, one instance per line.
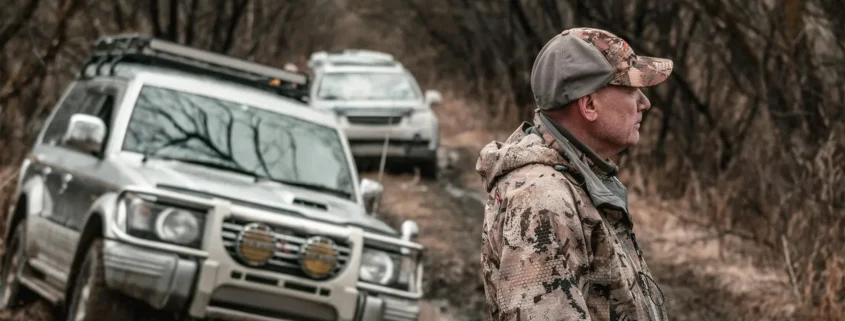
x=429 y=169
x=90 y=298
x=12 y=293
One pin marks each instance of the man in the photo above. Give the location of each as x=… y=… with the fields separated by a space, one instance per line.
x=291 y=67
x=558 y=241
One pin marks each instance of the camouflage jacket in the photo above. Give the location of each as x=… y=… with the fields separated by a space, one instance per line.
x=547 y=252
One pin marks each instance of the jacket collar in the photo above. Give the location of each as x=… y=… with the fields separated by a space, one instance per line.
x=600 y=182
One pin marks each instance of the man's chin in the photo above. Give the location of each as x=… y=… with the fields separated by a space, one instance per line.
x=634 y=139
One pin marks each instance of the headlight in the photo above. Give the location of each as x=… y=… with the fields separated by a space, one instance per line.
x=177 y=226
x=147 y=219
x=421 y=118
x=376 y=267
x=396 y=270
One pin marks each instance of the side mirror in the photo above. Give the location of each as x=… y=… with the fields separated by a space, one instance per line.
x=433 y=97
x=371 y=192
x=410 y=230
x=85 y=133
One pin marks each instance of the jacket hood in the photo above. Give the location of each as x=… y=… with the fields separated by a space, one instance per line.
x=527 y=146
x=521 y=149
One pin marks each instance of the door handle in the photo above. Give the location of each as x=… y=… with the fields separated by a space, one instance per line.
x=66 y=178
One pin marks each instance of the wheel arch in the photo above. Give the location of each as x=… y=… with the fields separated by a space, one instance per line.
x=30 y=201
x=98 y=219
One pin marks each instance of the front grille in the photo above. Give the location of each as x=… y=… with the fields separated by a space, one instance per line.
x=288 y=242
x=374 y=120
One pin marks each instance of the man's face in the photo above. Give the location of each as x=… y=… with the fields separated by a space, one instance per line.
x=619 y=112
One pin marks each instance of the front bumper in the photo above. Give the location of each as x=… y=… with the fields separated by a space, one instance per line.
x=162 y=279
x=216 y=286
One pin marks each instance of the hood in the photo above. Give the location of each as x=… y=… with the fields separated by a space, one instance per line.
x=520 y=149
x=209 y=182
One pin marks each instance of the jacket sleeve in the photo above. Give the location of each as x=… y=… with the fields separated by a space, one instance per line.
x=543 y=253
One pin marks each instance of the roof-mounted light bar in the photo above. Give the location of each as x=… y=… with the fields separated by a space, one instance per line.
x=156 y=52
x=361 y=57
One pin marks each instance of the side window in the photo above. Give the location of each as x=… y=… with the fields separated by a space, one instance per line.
x=69 y=106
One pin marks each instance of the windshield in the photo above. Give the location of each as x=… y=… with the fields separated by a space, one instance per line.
x=366 y=86
x=200 y=129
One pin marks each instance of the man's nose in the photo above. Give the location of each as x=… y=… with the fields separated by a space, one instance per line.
x=644 y=103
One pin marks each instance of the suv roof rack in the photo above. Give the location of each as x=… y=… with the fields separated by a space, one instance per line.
x=136 y=48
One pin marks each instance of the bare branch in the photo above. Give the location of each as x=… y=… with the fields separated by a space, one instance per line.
x=12 y=28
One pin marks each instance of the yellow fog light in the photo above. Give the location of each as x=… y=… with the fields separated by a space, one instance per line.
x=255 y=244
x=318 y=257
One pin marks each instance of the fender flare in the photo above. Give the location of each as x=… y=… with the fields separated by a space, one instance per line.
x=105 y=209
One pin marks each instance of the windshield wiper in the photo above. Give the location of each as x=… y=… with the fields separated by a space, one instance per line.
x=316 y=187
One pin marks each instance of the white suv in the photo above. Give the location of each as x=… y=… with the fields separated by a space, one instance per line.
x=128 y=205
x=375 y=99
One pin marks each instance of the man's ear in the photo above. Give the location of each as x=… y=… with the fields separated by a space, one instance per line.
x=587 y=107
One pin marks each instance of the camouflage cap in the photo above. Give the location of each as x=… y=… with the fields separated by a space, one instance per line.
x=579 y=61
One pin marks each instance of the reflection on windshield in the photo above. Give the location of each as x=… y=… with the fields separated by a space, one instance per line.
x=181 y=125
x=366 y=86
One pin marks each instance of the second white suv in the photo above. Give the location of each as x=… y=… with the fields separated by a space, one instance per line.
x=377 y=100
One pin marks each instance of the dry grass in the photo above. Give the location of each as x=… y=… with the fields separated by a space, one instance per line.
x=693 y=265
x=785 y=205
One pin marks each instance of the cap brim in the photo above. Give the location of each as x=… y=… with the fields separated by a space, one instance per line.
x=646 y=72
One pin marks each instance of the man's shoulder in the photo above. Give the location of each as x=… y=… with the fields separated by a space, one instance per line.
x=542 y=185
x=539 y=176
